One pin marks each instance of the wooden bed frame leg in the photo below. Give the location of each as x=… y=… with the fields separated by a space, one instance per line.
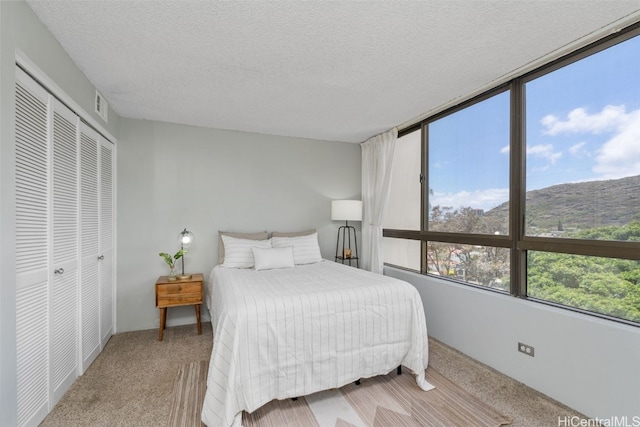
x=357 y=382
x=400 y=370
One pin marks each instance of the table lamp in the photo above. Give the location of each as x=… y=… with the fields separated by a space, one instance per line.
x=186 y=240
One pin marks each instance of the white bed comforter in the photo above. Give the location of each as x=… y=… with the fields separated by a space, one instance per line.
x=292 y=332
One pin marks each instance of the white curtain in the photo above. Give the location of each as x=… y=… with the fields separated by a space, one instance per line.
x=377 y=157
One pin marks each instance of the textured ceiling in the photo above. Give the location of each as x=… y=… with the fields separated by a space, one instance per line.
x=341 y=71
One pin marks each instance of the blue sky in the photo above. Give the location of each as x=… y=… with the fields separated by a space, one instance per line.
x=583 y=124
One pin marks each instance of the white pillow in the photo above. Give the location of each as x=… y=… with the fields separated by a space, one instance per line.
x=237 y=252
x=305 y=248
x=269 y=258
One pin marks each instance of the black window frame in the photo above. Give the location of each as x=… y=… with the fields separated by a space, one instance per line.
x=517 y=241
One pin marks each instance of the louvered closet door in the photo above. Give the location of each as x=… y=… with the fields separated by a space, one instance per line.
x=89 y=246
x=32 y=249
x=106 y=240
x=65 y=301
x=64 y=247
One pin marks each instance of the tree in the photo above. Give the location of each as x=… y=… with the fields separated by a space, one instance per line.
x=603 y=285
x=477 y=264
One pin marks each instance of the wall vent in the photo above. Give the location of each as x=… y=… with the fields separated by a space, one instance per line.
x=102 y=106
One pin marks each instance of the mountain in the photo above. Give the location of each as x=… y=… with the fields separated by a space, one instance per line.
x=579 y=205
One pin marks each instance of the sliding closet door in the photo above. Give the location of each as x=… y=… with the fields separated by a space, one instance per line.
x=89 y=246
x=32 y=249
x=106 y=240
x=64 y=298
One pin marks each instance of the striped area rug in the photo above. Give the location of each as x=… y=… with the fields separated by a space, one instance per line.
x=189 y=388
x=384 y=401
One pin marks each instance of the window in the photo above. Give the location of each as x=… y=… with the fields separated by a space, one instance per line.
x=472 y=264
x=583 y=181
x=601 y=285
x=533 y=188
x=469 y=169
x=403 y=209
x=468 y=192
x=402 y=252
x=583 y=146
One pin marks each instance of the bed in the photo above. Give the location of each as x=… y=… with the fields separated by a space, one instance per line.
x=286 y=332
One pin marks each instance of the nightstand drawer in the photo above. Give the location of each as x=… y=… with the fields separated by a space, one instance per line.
x=179 y=299
x=179 y=288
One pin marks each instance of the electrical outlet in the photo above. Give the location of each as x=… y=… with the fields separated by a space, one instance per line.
x=156 y=322
x=526 y=349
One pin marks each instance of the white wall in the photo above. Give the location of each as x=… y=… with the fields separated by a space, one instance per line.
x=21 y=29
x=175 y=176
x=589 y=364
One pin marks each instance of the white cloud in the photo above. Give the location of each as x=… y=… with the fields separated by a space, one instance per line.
x=505 y=150
x=480 y=199
x=441 y=165
x=544 y=151
x=620 y=156
x=577 y=149
x=579 y=121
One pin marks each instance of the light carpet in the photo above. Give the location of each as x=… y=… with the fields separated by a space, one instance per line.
x=384 y=401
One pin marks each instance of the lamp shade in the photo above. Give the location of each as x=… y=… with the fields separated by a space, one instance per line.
x=185 y=238
x=346 y=210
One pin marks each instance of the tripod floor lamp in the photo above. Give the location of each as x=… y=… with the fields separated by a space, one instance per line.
x=346 y=210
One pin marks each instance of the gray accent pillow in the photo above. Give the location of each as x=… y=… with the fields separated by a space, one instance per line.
x=293 y=233
x=261 y=235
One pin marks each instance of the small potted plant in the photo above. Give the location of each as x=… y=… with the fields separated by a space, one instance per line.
x=171 y=262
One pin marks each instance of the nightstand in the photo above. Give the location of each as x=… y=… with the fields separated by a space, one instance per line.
x=176 y=293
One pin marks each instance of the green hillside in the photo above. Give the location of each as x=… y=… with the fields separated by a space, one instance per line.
x=579 y=205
